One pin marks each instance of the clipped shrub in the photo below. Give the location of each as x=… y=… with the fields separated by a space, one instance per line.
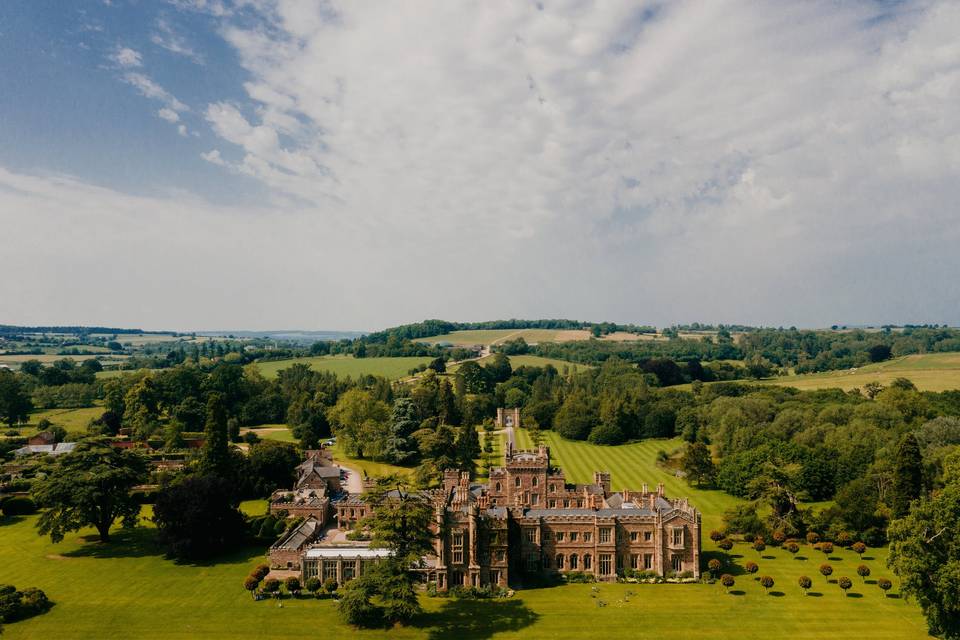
x=18 y=506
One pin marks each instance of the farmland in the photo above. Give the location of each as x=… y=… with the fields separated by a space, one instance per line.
x=494 y=336
x=930 y=372
x=392 y=368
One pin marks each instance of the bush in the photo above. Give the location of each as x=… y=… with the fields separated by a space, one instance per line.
x=579 y=577
x=716 y=536
x=726 y=544
x=766 y=582
x=845 y=582
x=751 y=567
x=271 y=585
x=260 y=571
x=251 y=437
x=477 y=593
x=18 y=506
x=863 y=571
x=330 y=585
x=313 y=585
x=17 y=605
x=292 y=584
x=793 y=547
x=813 y=537
x=884 y=583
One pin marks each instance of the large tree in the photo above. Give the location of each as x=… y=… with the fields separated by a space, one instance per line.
x=15 y=404
x=399 y=522
x=360 y=421
x=925 y=553
x=272 y=466
x=90 y=486
x=907 y=475
x=215 y=457
x=197 y=517
x=697 y=463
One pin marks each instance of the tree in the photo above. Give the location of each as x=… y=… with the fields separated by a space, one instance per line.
x=805 y=583
x=468 y=446
x=907 y=476
x=766 y=582
x=197 y=517
x=925 y=553
x=271 y=465
x=713 y=566
x=360 y=421
x=826 y=548
x=215 y=457
x=844 y=583
x=879 y=353
x=863 y=571
x=697 y=463
x=751 y=567
x=884 y=584
x=272 y=586
x=759 y=545
x=577 y=416
x=400 y=522
x=292 y=585
x=498 y=369
x=403 y=422
x=307 y=420
x=15 y=404
x=726 y=544
x=727 y=581
x=313 y=585
x=716 y=536
x=826 y=570
x=859 y=548
x=793 y=548
x=438 y=364
x=813 y=537
x=90 y=486
x=250 y=583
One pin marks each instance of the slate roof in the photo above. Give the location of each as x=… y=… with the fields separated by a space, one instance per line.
x=300 y=536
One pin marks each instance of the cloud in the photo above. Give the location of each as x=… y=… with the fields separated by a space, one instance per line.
x=182 y=130
x=213 y=157
x=674 y=147
x=166 y=38
x=211 y=7
x=169 y=115
x=150 y=89
x=126 y=57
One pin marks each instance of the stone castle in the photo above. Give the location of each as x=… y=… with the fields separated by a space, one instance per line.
x=526 y=522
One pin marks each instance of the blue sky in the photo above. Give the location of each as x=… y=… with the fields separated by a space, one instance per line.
x=258 y=164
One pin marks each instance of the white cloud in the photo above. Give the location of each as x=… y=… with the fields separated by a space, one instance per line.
x=182 y=130
x=213 y=157
x=150 y=89
x=169 y=115
x=126 y=57
x=166 y=38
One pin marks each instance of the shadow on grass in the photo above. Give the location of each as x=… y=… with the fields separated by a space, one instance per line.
x=814 y=594
x=476 y=619
x=5 y=520
x=854 y=594
x=867 y=558
x=768 y=557
x=138 y=542
x=895 y=596
x=777 y=594
x=738 y=592
x=870 y=582
x=801 y=557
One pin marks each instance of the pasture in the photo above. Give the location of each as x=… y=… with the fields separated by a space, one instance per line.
x=343 y=366
x=494 y=336
x=531 y=361
x=930 y=372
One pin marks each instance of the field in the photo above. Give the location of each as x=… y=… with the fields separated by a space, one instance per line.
x=126 y=589
x=392 y=368
x=532 y=361
x=493 y=336
x=930 y=372
x=69 y=419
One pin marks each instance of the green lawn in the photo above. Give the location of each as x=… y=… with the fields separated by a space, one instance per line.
x=128 y=590
x=532 y=361
x=930 y=372
x=493 y=336
x=69 y=419
x=392 y=368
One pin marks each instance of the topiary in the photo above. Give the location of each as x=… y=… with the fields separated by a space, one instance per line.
x=18 y=506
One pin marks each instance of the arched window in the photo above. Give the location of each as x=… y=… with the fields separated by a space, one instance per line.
x=499 y=487
x=536 y=481
x=586 y=561
x=516 y=482
x=573 y=561
x=559 y=561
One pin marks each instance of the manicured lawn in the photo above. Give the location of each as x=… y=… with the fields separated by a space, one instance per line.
x=392 y=368
x=69 y=419
x=280 y=432
x=128 y=590
x=930 y=372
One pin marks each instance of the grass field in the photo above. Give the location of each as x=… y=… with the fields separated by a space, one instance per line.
x=493 y=336
x=126 y=589
x=532 y=361
x=69 y=419
x=930 y=372
x=392 y=368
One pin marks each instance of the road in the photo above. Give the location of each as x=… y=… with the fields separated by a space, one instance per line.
x=354 y=479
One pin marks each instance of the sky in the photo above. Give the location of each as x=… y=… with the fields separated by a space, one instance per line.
x=268 y=164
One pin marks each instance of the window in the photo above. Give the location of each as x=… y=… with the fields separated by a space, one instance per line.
x=587 y=560
x=348 y=571
x=573 y=536
x=559 y=561
x=587 y=536
x=516 y=482
x=310 y=569
x=560 y=536
x=501 y=556
x=573 y=561
x=535 y=498
x=552 y=504
x=606 y=564
x=647 y=536
x=566 y=504
x=634 y=561
x=579 y=504
x=676 y=562
x=553 y=488
x=678 y=537
x=457 y=544
x=634 y=536
x=495 y=577
x=604 y=535
x=535 y=481
x=531 y=535
x=329 y=571
x=648 y=561
x=499 y=487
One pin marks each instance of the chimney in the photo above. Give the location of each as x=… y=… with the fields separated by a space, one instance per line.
x=645 y=488
x=660 y=489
